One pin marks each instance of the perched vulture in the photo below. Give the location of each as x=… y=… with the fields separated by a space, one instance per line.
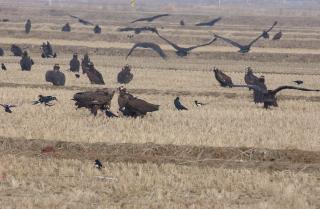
x=94 y=100
x=94 y=75
x=125 y=76
x=209 y=23
x=246 y=48
x=47 y=51
x=97 y=29
x=27 y=26
x=3 y=67
x=150 y=19
x=182 y=51
x=74 y=63
x=55 y=76
x=223 y=79
x=16 y=50
x=182 y=23
x=132 y=106
x=26 y=62
x=1 y=52
x=277 y=36
x=85 y=63
x=66 y=28
x=251 y=79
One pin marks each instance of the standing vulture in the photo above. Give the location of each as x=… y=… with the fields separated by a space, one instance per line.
x=125 y=76
x=85 y=63
x=132 y=106
x=277 y=36
x=55 y=76
x=27 y=26
x=97 y=29
x=74 y=63
x=66 y=28
x=1 y=52
x=26 y=62
x=94 y=75
x=16 y=50
x=223 y=79
x=94 y=100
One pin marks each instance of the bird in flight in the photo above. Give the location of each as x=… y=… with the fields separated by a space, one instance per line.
x=7 y=108
x=178 y=104
x=146 y=45
x=150 y=19
x=209 y=23
x=245 y=48
x=84 y=22
x=46 y=100
x=137 y=30
x=182 y=51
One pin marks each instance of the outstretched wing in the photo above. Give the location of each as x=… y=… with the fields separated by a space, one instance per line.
x=280 y=88
x=158 y=16
x=175 y=46
x=150 y=19
x=150 y=45
x=209 y=23
x=205 y=44
x=263 y=33
x=229 y=41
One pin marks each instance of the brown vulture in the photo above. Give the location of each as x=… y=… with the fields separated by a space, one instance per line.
x=223 y=79
x=1 y=52
x=125 y=76
x=66 y=28
x=251 y=79
x=74 y=63
x=137 y=30
x=150 y=19
x=277 y=36
x=16 y=50
x=82 y=21
x=182 y=51
x=47 y=51
x=150 y=45
x=94 y=75
x=209 y=23
x=246 y=48
x=27 y=26
x=132 y=106
x=85 y=63
x=97 y=29
x=94 y=100
x=26 y=62
x=55 y=76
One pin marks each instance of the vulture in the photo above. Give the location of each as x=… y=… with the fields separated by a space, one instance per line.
x=209 y=23
x=245 y=48
x=299 y=82
x=85 y=63
x=132 y=106
x=66 y=28
x=16 y=50
x=5 y=20
x=94 y=75
x=82 y=21
x=27 y=26
x=182 y=23
x=26 y=62
x=150 y=19
x=55 y=76
x=223 y=79
x=97 y=29
x=277 y=36
x=47 y=51
x=7 y=108
x=137 y=30
x=251 y=79
x=1 y=52
x=74 y=63
x=146 y=45
x=181 y=51
x=94 y=100
x=125 y=76
x=178 y=104
x=3 y=67
x=46 y=100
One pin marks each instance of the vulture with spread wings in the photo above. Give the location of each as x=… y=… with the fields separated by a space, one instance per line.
x=209 y=23
x=132 y=106
x=146 y=45
x=137 y=30
x=246 y=48
x=150 y=19
x=182 y=51
x=82 y=21
x=94 y=100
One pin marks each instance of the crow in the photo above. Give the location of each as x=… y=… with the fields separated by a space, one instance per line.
x=98 y=164
x=178 y=104
x=7 y=108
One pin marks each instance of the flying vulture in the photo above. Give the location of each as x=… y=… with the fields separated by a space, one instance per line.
x=150 y=19
x=178 y=104
x=181 y=51
x=55 y=76
x=146 y=45
x=7 y=108
x=125 y=76
x=137 y=30
x=132 y=106
x=94 y=100
x=82 y=21
x=245 y=48
x=209 y=23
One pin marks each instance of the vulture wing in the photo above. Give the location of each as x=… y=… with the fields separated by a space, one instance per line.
x=141 y=106
x=233 y=43
x=280 y=88
x=222 y=78
x=150 y=45
x=205 y=44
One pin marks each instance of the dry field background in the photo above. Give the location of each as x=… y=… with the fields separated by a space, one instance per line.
x=230 y=153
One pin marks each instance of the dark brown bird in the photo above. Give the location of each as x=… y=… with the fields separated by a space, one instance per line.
x=26 y=62
x=47 y=51
x=245 y=48
x=7 y=108
x=223 y=79
x=137 y=30
x=146 y=45
x=125 y=75
x=97 y=29
x=16 y=50
x=3 y=67
x=150 y=19
x=94 y=75
x=132 y=106
x=46 y=100
x=55 y=76
x=74 y=63
x=94 y=100
x=251 y=79
x=1 y=52
x=209 y=23
x=27 y=26
x=85 y=63
x=66 y=28
x=182 y=23
x=82 y=21
x=182 y=51
x=277 y=36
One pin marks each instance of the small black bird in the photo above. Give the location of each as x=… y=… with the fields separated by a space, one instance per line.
x=77 y=75
x=178 y=105
x=98 y=164
x=110 y=114
x=7 y=107
x=299 y=82
x=3 y=67
x=199 y=104
x=45 y=100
